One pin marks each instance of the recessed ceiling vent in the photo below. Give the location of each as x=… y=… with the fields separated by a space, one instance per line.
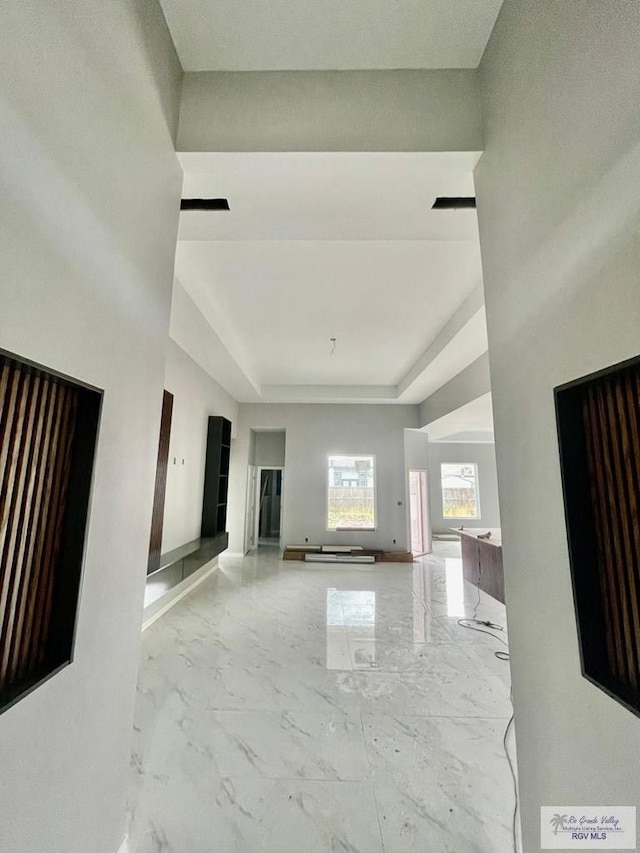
x=444 y=202
x=204 y=204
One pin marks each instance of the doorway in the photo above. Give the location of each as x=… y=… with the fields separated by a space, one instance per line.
x=420 y=534
x=269 y=507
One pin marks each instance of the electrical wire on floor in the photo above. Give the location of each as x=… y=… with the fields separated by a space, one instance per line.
x=472 y=625
x=513 y=776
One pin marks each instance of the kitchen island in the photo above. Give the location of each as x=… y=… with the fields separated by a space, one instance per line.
x=482 y=559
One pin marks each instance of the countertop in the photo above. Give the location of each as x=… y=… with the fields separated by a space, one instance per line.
x=474 y=532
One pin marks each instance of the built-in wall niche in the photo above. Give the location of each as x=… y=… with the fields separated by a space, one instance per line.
x=48 y=431
x=599 y=433
x=216 y=477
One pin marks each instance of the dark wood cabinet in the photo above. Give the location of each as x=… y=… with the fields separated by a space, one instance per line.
x=157 y=517
x=216 y=477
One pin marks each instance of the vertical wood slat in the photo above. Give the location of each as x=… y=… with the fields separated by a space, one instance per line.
x=612 y=425
x=157 y=518
x=37 y=417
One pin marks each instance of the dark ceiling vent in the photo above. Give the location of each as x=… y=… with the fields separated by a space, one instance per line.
x=444 y=202
x=204 y=204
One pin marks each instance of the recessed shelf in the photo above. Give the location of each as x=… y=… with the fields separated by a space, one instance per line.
x=599 y=434
x=48 y=432
x=214 y=503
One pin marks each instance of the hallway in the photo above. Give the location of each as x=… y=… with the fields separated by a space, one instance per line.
x=287 y=707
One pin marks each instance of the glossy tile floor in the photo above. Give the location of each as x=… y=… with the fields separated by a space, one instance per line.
x=287 y=707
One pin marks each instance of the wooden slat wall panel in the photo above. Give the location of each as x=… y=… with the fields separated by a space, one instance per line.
x=157 y=518
x=611 y=417
x=37 y=423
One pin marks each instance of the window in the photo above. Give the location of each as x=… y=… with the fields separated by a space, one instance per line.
x=459 y=490
x=351 y=486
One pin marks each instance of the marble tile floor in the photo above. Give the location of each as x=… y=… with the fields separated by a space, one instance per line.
x=286 y=707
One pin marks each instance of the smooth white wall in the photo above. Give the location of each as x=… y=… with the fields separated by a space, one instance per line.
x=88 y=220
x=559 y=213
x=313 y=432
x=195 y=396
x=472 y=382
x=270 y=448
x=399 y=110
x=484 y=456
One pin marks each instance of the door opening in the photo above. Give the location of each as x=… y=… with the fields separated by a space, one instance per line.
x=270 y=506
x=420 y=539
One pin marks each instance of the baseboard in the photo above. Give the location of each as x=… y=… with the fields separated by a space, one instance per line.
x=179 y=593
x=124 y=847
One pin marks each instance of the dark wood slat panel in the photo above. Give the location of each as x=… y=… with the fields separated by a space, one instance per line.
x=617 y=497
x=619 y=430
x=599 y=431
x=612 y=636
x=19 y=661
x=35 y=637
x=55 y=507
x=54 y=521
x=614 y=551
x=19 y=522
x=13 y=482
x=31 y=445
x=157 y=518
x=48 y=428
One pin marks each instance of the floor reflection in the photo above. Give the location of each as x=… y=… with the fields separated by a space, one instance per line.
x=351 y=629
x=434 y=590
x=455 y=587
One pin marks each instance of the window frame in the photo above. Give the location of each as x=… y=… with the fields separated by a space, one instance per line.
x=478 y=515
x=373 y=529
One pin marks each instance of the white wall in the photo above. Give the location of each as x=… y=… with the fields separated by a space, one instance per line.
x=195 y=396
x=88 y=221
x=313 y=432
x=472 y=382
x=559 y=213
x=399 y=110
x=194 y=335
x=269 y=451
x=484 y=456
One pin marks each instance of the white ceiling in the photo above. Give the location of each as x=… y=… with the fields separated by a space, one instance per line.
x=382 y=300
x=471 y=423
x=329 y=196
x=258 y=35
x=334 y=245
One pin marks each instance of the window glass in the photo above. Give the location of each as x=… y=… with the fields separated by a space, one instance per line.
x=459 y=490
x=351 y=501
